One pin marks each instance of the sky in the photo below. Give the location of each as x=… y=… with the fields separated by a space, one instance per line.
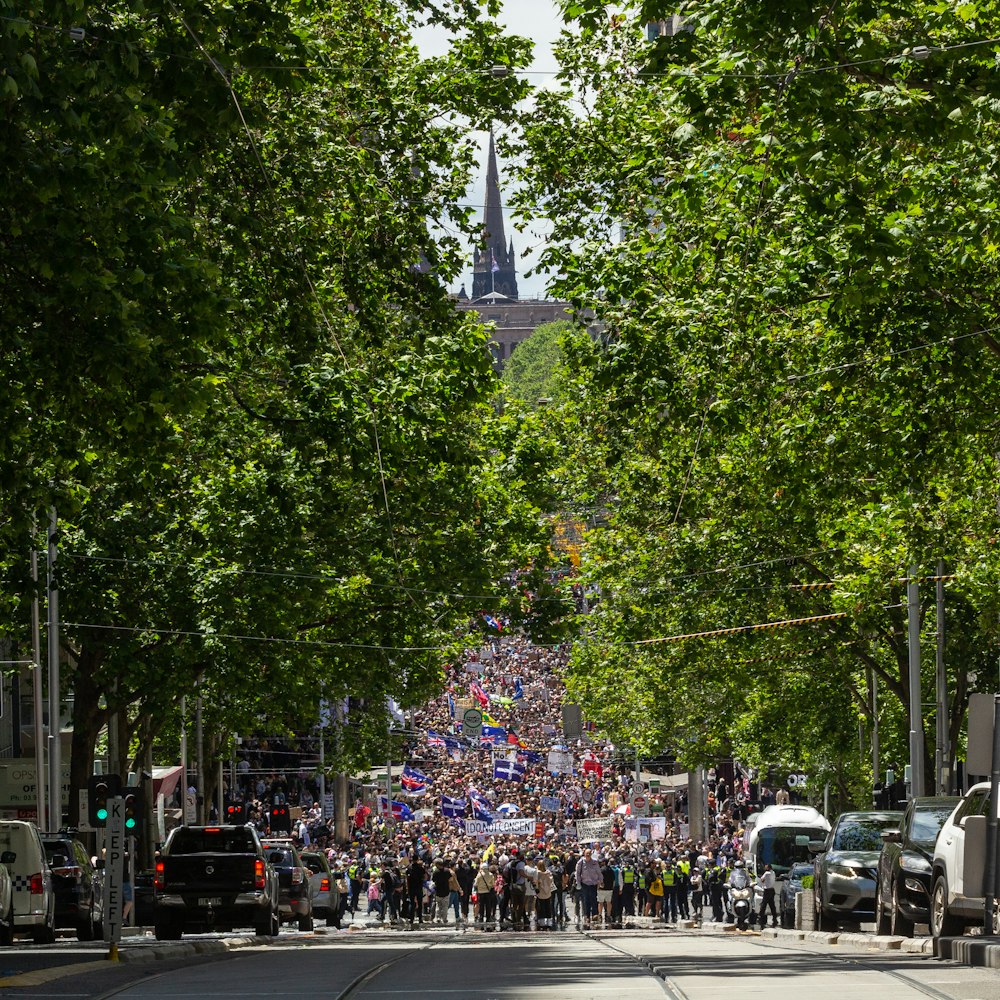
x=540 y=21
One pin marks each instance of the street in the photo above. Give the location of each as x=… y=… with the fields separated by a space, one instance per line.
x=445 y=963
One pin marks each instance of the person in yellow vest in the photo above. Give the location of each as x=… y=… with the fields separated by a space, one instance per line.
x=669 y=877
x=629 y=876
x=683 y=884
x=641 y=892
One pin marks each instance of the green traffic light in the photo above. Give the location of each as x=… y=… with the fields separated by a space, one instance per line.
x=102 y=813
x=130 y=823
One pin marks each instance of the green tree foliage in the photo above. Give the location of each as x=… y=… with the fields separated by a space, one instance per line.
x=536 y=370
x=229 y=361
x=784 y=216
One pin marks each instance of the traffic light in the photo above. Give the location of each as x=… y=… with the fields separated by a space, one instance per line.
x=100 y=788
x=281 y=819
x=236 y=813
x=134 y=807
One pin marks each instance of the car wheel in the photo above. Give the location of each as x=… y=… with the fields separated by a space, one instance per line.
x=85 y=929
x=943 y=923
x=44 y=935
x=823 y=922
x=168 y=930
x=883 y=924
x=275 y=924
x=7 y=929
x=306 y=922
x=900 y=925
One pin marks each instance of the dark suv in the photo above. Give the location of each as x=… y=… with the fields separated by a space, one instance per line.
x=903 y=885
x=295 y=897
x=77 y=884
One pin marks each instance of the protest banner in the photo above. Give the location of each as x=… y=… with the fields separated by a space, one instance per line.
x=590 y=830
x=559 y=762
x=518 y=826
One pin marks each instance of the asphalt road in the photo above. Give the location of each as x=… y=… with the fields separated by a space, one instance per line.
x=449 y=965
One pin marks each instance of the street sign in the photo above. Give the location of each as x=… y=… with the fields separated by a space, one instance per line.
x=472 y=722
x=114 y=870
x=640 y=805
x=638 y=788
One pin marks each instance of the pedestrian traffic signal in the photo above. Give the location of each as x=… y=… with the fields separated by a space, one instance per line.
x=236 y=813
x=100 y=788
x=133 y=809
x=281 y=820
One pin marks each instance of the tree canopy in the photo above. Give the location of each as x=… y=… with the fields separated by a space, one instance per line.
x=784 y=216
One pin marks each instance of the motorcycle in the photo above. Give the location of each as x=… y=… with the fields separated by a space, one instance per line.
x=741 y=898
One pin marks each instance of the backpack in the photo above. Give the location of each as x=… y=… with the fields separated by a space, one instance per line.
x=607 y=878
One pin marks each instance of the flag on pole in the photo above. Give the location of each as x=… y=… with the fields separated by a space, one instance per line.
x=479 y=694
x=434 y=739
x=492 y=622
x=451 y=706
x=481 y=808
x=508 y=770
x=494 y=266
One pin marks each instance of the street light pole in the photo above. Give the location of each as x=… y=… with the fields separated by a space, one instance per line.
x=916 y=706
x=36 y=690
x=55 y=762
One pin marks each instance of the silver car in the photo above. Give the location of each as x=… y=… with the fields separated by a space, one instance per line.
x=846 y=867
x=322 y=886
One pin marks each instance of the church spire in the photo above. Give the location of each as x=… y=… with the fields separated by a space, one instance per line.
x=493 y=261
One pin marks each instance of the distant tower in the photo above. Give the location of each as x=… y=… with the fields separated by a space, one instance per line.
x=493 y=260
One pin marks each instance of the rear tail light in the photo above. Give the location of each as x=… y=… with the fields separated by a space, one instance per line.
x=159 y=876
x=37 y=884
x=296 y=876
x=324 y=885
x=258 y=874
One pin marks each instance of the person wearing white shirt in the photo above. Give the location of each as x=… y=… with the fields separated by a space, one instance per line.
x=766 y=882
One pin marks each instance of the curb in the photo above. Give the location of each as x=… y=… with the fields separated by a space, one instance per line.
x=871 y=942
x=979 y=952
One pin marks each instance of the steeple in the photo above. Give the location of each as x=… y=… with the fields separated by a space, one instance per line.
x=493 y=261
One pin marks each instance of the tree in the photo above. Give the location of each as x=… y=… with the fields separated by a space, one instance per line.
x=534 y=371
x=779 y=216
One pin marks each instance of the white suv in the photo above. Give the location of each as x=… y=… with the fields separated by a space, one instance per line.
x=959 y=860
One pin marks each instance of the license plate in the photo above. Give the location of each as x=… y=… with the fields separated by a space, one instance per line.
x=210 y=901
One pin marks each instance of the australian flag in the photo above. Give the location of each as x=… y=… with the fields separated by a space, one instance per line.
x=413 y=780
x=455 y=742
x=481 y=809
x=508 y=770
x=452 y=808
x=400 y=810
x=434 y=739
x=529 y=756
x=494 y=734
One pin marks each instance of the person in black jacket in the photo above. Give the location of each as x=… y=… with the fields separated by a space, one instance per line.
x=415 y=876
x=465 y=872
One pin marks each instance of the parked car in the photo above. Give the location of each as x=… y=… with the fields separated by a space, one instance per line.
x=791 y=886
x=957 y=899
x=326 y=897
x=903 y=876
x=77 y=883
x=845 y=869
x=34 y=900
x=295 y=895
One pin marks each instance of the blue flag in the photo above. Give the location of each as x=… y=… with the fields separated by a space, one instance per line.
x=529 y=756
x=481 y=809
x=452 y=808
x=508 y=770
x=518 y=689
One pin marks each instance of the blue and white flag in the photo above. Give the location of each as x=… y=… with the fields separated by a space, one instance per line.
x=518 y=688
x=455 y=742
x=508 y=770
x=529 y=757
x=494 y=734
x=413 y=780
x=451 y=706
x=452 y=808
x=508 y=808
x=434 y=739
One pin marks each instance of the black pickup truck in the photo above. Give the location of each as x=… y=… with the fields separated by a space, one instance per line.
x=213 y=878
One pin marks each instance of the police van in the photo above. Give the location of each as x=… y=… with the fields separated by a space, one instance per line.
x=33 y=901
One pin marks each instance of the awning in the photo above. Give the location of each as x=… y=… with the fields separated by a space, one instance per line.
x=165 y=780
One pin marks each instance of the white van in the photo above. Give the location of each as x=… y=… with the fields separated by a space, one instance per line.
x=781 y=836
x=34 y=901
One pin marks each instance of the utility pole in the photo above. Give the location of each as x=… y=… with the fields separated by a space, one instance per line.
x=38 y=716
x=916 y=705
x=200 y=810
x=942 y=752
x=55 y=756
x=184 y=761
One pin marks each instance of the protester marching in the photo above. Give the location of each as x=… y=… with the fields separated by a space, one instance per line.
x=504 y=821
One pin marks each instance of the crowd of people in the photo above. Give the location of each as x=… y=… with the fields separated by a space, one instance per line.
x=497 y=830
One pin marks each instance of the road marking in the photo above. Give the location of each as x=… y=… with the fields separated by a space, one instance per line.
x=41 y=976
